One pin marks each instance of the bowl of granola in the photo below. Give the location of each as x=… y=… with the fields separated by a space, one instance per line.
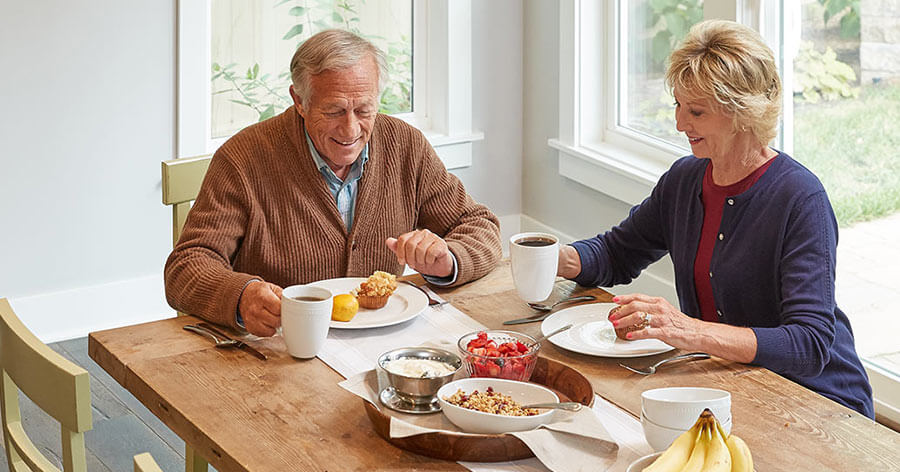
x=495 y=406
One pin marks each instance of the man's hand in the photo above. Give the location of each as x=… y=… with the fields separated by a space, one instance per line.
x=423 y=251
x=260 y=308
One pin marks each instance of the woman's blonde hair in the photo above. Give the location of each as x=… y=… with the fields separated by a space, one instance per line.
x=730 y=64
x=330 y=50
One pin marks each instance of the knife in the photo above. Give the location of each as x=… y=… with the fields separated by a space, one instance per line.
x=531 y=319
x=239 y=344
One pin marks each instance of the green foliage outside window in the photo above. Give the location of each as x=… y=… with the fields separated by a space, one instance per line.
x=267 y=93
x=671 y=20
x=819 y=76
x=850 y=24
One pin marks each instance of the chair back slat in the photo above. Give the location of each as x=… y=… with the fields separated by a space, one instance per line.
x=181 y=178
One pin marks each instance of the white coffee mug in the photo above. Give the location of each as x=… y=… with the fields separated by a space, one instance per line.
x=533 y=258
x=305 y=317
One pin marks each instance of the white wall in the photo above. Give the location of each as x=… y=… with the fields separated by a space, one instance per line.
x=88 y=113
x=88 y=94
x=550 y=200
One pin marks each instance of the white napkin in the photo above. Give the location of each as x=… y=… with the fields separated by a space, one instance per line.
x=351 y=351
x=573 y=442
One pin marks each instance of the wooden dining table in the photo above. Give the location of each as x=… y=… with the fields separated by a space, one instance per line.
x=241 y=413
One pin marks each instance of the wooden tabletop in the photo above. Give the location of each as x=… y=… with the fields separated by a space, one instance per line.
x=287 y=414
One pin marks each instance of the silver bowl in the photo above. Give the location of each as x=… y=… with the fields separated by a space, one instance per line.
x=419 y=390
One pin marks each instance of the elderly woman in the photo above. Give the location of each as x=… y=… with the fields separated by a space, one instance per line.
x=750 y=231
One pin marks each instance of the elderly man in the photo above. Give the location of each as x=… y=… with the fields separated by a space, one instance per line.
x=329 y=188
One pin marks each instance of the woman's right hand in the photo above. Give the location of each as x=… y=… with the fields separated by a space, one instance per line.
x=569 y=263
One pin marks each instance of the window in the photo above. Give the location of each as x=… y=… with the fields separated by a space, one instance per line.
x=616 y=120
x=842 y=97
x=252 y=43
x=234 y=56
x=842 y=84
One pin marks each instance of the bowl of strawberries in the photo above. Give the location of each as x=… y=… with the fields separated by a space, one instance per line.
x=500 y=354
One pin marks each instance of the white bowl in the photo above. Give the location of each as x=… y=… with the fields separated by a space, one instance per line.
x=679 y=407
x=660 y=437
x=472 y=421
x=643 y=462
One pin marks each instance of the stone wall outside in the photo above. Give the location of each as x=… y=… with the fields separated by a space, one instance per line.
x=879 y=49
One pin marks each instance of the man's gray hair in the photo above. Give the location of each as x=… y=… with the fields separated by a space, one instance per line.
x=330 y=50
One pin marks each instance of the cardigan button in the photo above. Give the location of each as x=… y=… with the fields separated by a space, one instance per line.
x=721 y=236
x=710 y=274
x=731 y=201
x=719 y=312
x=353 y=245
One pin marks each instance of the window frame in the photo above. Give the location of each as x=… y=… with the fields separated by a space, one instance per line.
x=593 y=149
x=442 y=79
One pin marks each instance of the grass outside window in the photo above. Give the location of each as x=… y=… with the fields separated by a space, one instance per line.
x=853 y=146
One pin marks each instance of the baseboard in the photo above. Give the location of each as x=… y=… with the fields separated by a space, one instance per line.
x=74 y=313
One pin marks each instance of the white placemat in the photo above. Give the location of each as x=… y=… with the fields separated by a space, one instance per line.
x=352 y=352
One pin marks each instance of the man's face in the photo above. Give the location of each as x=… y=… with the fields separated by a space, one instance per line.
x=341 y=111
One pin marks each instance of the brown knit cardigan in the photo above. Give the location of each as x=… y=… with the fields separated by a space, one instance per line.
x=264 y=211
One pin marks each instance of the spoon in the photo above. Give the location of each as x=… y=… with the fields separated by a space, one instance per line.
x=552 y=333
x=568 y=406
x=542 y=307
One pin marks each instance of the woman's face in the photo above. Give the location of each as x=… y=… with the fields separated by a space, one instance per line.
x=711 y=133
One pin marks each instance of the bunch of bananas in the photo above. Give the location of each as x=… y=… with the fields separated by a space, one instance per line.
x=705 y=448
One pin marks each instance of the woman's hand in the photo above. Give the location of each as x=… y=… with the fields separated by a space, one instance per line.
x=666 y=322
x=676 y=329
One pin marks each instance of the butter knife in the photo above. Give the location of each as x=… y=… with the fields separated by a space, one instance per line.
x=238 y=343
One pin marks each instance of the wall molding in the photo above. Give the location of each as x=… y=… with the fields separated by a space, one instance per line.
x=74 y=313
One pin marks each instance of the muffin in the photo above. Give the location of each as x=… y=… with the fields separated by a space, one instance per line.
x=621 y=332
x=375 y=291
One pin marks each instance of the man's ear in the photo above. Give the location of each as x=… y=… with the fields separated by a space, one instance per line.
x=297 y=105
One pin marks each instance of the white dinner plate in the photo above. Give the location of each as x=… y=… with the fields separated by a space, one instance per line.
x=643 y=462
x=593 y=334
x=405 y=304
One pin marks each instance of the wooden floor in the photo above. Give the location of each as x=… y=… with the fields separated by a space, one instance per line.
x=122 y=428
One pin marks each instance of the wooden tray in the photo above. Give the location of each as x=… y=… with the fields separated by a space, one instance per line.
x=567 y=382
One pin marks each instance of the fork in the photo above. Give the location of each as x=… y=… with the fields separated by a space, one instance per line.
x=431 y=301
x=652 y=368
x=208 y=333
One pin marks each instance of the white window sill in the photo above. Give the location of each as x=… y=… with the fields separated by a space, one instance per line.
x=454 y=150
x=886 y=390
x=610 y=170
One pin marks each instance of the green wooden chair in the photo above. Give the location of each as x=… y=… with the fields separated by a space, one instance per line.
x=55 y=384
x=145 y=463
x=181 y=180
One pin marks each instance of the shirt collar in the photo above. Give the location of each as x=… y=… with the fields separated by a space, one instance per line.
x=322 y=165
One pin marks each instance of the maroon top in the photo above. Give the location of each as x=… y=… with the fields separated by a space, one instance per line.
x=714 y=199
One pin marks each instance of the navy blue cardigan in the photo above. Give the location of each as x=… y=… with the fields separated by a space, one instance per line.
x=773 y=269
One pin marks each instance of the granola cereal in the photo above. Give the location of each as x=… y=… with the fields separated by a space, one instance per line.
x=489 y=402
